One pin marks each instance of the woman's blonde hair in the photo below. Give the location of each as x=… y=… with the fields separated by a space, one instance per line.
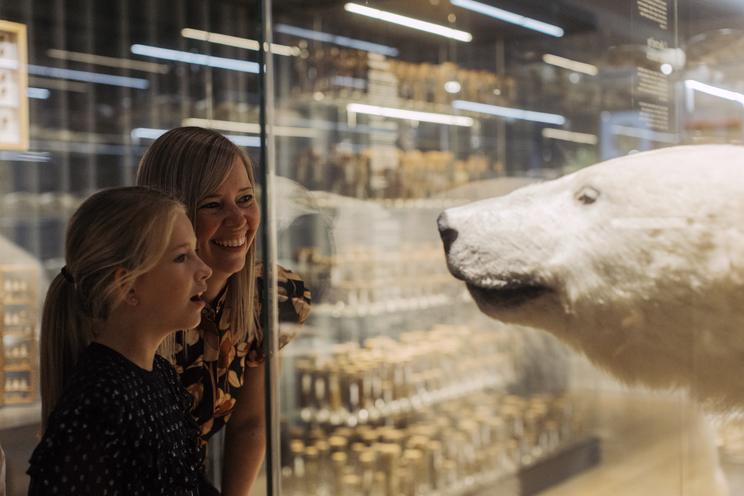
x=191 y=163
x=115 y=228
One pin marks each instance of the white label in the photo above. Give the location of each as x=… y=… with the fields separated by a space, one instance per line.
x=656 y=11
x=9 y=95
x=655 y=116
x=653 y=83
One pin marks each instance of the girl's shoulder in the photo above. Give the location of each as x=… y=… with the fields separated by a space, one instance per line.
x=106 y=384
x=93 y=407
x=100 y=376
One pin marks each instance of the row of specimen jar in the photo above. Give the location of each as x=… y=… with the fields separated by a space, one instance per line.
x=366 y=275
x=393 y=379
x=18 y=320
x=471 y=442
x=20 y=384
x=406 y=174
x=346 y=73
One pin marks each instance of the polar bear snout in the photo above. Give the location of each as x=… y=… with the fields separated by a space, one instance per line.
x=447 y=233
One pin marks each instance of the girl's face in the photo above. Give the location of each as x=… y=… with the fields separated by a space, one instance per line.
x=226 y=222
x=170 y=293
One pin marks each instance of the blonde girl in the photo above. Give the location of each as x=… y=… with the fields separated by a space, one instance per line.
x=116 y=419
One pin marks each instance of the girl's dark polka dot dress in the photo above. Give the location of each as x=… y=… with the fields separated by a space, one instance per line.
x=120 y=430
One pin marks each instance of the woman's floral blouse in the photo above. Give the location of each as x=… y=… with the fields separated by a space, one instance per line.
x=211 y=365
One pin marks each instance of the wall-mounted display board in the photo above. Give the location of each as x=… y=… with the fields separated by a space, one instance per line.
x=13 y=87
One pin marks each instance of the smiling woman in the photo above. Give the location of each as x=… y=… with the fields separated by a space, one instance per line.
x=226 y=222
x=218 y=361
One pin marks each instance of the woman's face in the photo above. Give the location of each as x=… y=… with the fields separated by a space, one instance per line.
x=226 y=223
x=170 y=293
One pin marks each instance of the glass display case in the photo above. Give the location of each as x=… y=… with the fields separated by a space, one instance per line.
x=370 y=119
x=391 y=112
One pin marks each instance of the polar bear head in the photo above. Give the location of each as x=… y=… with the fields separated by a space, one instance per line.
x=638 y=262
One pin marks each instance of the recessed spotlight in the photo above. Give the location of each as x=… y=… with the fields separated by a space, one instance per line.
x=452 y=87
x=570 y=64
x=510 y=17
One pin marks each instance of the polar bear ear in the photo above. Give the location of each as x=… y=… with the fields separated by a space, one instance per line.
x=587 y=195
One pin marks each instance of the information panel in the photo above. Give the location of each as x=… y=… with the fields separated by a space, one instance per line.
x=13 y=87
x=652 y=91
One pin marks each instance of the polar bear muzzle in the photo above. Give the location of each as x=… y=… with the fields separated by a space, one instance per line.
x=508 y=291
x=510 y=295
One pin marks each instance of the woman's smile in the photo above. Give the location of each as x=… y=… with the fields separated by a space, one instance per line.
x=230 y=243
x=226 y=223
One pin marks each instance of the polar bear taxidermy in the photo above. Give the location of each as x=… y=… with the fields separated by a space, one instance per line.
x=638 y=262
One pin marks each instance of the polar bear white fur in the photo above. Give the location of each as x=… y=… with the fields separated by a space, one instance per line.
x=637 y=261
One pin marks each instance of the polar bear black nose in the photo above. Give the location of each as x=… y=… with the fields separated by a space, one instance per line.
x=447 y=234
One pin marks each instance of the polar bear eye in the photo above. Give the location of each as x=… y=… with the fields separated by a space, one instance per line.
x=587 y=195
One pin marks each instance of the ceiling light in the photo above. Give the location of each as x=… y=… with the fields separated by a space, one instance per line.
x=89 y=58
x=38 y=93
x=715 y=91
x=336 y=40
x=412 y=115
x=563 y=135
x=452 y=87
x=511 y=17
x=249 y=127
x=350 y=82
x=149 y=133
x=641 y=133
x=234 y=41
x=237 y=127
x=195 y=58
x=140 y=133
x=25 y=156
x=571 y=65
x=88 y=77
x=408 y=22
x=510 y=113
x=58 y=84
x=248 y=141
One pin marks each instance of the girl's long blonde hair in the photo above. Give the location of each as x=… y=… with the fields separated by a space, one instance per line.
x=116 y=228
x=191 y=163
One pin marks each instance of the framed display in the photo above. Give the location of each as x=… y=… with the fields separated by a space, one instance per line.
x=13 y=86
